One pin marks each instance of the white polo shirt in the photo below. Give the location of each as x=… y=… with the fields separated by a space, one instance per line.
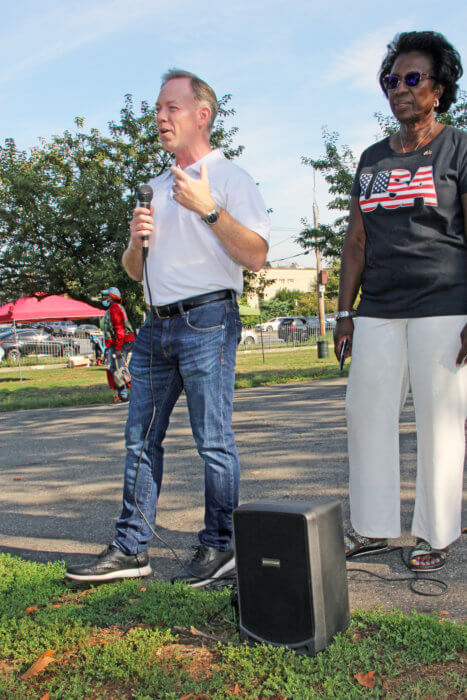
x=185 y=257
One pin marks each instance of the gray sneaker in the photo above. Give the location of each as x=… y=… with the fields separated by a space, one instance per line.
x=207 y=565
x=111 y=564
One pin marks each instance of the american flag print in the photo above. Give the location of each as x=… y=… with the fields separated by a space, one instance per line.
x=392 y=189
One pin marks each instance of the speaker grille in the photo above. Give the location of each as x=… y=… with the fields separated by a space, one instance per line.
x=274 y=576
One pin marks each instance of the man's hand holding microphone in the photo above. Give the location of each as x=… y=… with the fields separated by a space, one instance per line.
x=141 y=228
x=141 y=225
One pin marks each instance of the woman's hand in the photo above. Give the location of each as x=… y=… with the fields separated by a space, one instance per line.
x=462 y=355
x=352 y=264
x=343 y=330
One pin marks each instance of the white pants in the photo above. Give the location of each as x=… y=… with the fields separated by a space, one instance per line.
x=387 y=355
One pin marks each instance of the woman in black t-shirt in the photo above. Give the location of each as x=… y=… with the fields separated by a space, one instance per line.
x=406 y=248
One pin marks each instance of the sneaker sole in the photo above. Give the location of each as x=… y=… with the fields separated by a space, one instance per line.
x=225 y=568
x=365 y=552
x=112 y=575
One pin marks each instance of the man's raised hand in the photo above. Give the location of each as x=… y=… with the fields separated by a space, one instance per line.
x=193 y=193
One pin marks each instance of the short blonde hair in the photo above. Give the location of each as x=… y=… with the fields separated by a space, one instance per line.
x=202 y=92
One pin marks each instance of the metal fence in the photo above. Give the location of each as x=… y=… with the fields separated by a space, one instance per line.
x=51 y=351
x=37 y=351
x=292 y=337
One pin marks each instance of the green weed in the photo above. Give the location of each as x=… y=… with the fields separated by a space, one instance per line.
x=132 y=639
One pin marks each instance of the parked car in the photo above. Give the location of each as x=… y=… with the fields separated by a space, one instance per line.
x=35 y=341
x=271 y=325
x=86 y=330
x=249 y=336
x=313 y=322
x=295 y=328
x=60 y=328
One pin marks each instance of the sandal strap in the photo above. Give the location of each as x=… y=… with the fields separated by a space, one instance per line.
x=354 y=540
x=423 y=547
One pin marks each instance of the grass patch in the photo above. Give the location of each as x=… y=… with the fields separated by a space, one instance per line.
x=140 y=639
x=51 y=387
x=33 y=360
x=283 y=366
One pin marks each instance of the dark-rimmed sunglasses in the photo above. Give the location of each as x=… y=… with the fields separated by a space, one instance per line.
x=411 y=79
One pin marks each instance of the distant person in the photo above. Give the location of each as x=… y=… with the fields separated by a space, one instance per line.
x=119 y=339
x=406 y=247
x=98 y=348
x=207 y=223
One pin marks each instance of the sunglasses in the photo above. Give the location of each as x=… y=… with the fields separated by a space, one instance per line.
x=411 y=79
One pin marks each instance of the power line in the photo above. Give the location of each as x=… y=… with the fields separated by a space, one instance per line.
x=284 y=228
x=283 y=241
x=288 y=257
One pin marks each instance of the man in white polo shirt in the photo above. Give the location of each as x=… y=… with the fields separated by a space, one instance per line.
x=207 y=221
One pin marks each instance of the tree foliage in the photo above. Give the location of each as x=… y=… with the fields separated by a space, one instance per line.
x=65 y=205
x=274 y=307
x=338 y=167
x=293 y=302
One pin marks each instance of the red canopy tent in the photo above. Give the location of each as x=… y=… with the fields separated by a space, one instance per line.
x=46 y=308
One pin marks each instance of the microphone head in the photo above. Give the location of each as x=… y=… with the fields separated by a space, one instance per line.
x=145 y=194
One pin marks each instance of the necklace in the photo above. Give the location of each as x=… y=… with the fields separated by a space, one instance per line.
x=425 y=136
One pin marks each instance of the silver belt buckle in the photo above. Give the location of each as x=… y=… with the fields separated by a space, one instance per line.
x=158 y=314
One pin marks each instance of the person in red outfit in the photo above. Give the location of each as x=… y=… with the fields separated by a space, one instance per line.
x=119 y=339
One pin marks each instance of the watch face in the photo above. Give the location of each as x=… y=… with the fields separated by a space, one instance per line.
x=212 y=217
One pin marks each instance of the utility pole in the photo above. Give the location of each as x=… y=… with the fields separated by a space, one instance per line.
x=320 y=273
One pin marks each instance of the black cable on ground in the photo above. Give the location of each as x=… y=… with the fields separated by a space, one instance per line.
x=418 y=577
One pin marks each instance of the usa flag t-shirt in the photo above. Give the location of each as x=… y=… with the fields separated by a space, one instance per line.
x=415 y=252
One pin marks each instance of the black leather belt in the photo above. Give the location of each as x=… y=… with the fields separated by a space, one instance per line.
x=178 y=307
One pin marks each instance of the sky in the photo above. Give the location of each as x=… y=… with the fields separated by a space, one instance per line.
x=292 y=68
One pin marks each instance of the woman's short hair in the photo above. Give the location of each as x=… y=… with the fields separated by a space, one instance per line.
x=202 y=92
x=445 y=59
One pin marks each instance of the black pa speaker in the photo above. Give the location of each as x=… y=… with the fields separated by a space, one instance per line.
x=291 y=573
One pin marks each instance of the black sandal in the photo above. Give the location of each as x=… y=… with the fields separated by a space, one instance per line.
x=358 y=545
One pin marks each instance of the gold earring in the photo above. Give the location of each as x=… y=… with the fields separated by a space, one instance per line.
x=436 y=103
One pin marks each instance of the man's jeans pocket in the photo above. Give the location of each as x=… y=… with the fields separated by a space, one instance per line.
x=210 y=317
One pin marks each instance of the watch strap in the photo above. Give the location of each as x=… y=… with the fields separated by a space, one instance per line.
x=212 y=216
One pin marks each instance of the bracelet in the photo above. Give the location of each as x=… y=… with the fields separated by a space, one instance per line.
x=344 y=314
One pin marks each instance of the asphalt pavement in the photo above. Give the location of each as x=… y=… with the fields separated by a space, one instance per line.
x=61 y=476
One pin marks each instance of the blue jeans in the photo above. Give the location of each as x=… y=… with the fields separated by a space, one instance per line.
x=194 y=351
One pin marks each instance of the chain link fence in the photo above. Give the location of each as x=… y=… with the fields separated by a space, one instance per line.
x=29 y=348
x=286 y=337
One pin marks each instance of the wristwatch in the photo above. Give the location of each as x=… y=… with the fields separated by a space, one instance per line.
x=212 y=216
x=344 y=314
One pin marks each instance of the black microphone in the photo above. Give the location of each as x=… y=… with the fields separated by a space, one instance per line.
x=145 y=195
